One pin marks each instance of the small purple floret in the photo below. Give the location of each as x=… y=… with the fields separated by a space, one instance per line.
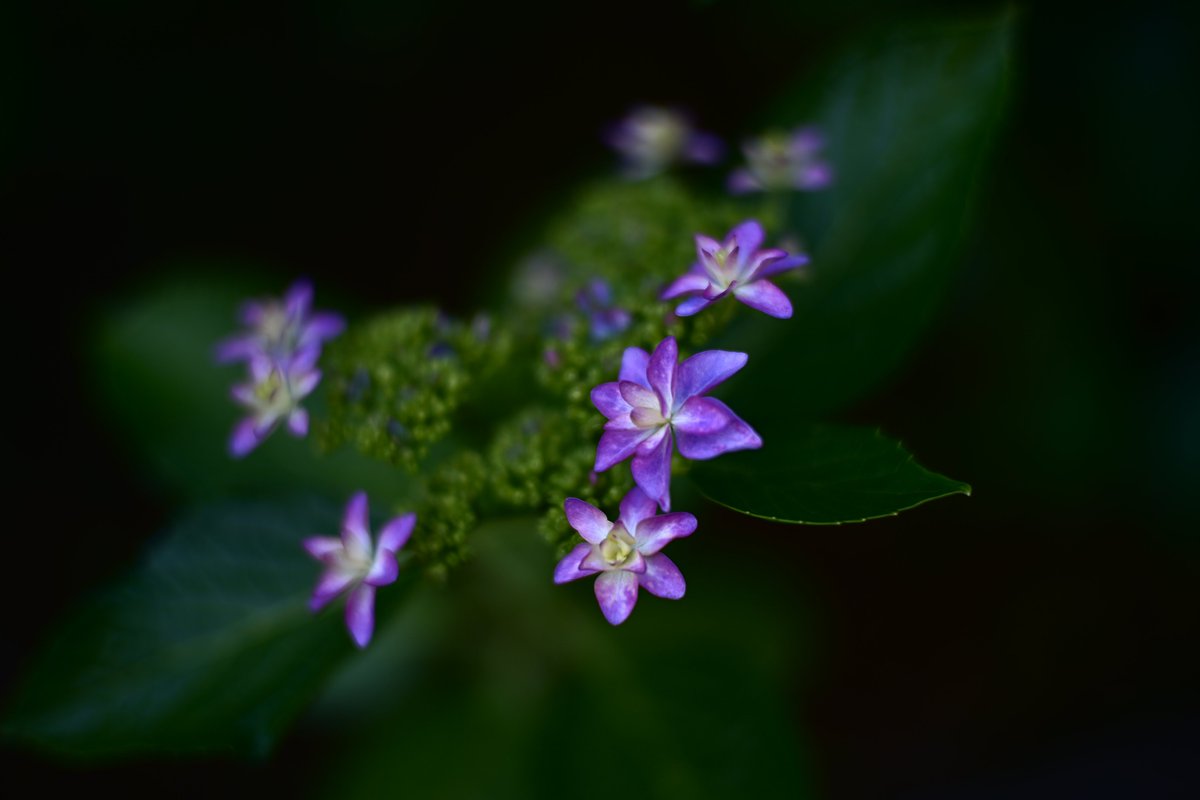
x=737 y=267
x=354 y=565
x=279 y=328
x=625 y=553
x=657 y=404
x=652 y=139
x=605 y=320
x=781 y=160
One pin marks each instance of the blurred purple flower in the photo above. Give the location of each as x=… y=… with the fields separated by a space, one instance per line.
x=625 y=553
x=352 y=563
x=605 y=320
x=737 y=267
x=273 y=396
x=782 y=160
x=651 y=139
x=656 y=399
x=280 y=328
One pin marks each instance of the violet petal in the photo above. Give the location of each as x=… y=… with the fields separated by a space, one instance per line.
x=701 y=372
x=617 y=445
x=617 y=594
x=654 y=533
x=766 y=297
x=356 y=533
x=587 y=520
x=360 y=613
x=652 y=471
x=395 y=533
x=662 y=578
x=634 y=364
x=570 y=568
x=635 y=507
x=608 y=400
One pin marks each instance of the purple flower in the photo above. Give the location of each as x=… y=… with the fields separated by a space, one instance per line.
x=625 y=553
x=781 y=160
x=351 y=563
x=279 y=328
x=605 y=320
x=273 y=396
x=737 y=267
x=656 y=399
x=651 y=139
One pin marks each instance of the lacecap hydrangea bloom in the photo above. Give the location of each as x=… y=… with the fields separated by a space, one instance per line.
x=625 y=553
x=782 y=160
x=652 y=139
x=657 y=403
x=739 y=267
x=353 y=564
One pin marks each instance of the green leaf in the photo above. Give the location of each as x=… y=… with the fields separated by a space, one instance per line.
x=908 y=121
x=822 y=475
x=208 y=645
x=154 y=372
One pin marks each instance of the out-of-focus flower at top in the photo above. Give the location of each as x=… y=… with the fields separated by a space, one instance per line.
x=352 y=563
x=656 y=398
x=604 y=319
x=738 y=267
x=782 y=160
x=625 y=553
x=652 y=139
x=273 y=396
x=280 y=328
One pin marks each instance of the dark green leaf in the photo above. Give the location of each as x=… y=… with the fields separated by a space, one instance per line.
x=822 y=475
x=208 y=645
x=155 y=373
x=908 y=121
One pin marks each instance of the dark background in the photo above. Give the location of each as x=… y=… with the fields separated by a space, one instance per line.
x=1034 y=640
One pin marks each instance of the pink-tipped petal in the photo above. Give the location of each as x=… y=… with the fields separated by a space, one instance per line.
x=736 y=435
x=661 y=371
x=321 y=547
x=662 y=578
x=395 y=533
x=617 y=594
x=766 y=297
x=571 y=568
x=360 y=614
x=749 y=236
x=616 y=445
x=684 y=284
x=356 y=532
x=297 y=423
x=608 y=400
x=635 y=507
x=692 y=306
x=700 y=373
x=587 y=520
x=654 y=533
x=245 y=438
x=634 y=364
x=333 y=581
x=652 y=471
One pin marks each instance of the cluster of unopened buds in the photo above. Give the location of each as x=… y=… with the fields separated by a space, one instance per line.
x=652 y=139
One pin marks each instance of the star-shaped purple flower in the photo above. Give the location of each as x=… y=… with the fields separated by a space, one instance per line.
x=738 y=267
x=782 y=160
x=279 y=328
x=352 y=563
x=625 y=553
x=657 y=400
x=273 y=396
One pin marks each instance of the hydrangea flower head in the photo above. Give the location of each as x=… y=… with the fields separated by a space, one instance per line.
x=625 y=552
x=279 y=328
x=272 y=397
x=353 y=564
x=783 y=160
x=737 y=266
x=651 y=139
x=657 y=403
